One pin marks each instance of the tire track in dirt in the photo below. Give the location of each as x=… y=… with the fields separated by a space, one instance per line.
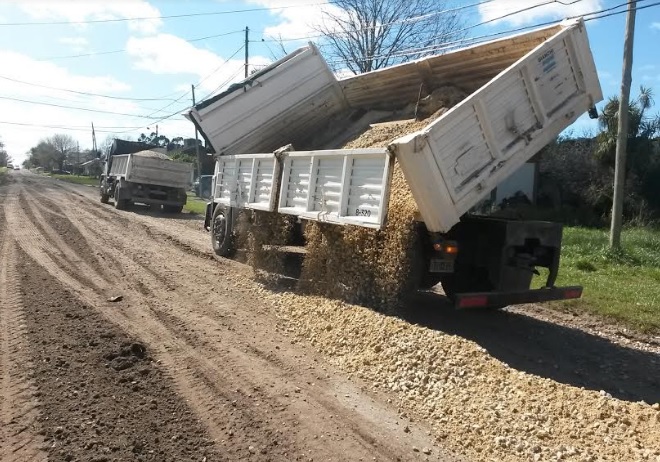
x=246 y=389
x=55 y=226
x=197 y=380
x=104 y=396
x=19 y=439
x=244 y=358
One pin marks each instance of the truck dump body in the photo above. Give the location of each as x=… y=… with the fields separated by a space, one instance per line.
x=152 y=168
x=522 y=92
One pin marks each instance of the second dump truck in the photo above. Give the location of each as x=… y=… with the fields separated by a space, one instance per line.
x=137 y=172
x=278 y=135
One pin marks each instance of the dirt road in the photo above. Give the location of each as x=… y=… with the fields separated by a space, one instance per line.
x=197 y=362
x=187 y=366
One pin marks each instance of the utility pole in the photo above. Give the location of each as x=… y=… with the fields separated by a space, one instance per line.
x=247 y=44
x=199 y=164
x=622 y=135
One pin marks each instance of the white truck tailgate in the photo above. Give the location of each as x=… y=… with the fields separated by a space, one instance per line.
x=271 y=107
x=345 y=186
x=247 y=181
x=156 y=171
x=459 y=158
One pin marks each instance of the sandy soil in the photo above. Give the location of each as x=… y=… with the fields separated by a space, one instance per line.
x=198 y=362
x=190 y=364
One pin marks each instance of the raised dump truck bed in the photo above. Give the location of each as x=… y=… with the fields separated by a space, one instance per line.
x=470 y=119
x=522 y=92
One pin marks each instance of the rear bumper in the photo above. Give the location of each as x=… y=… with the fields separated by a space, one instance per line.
x=493 y=299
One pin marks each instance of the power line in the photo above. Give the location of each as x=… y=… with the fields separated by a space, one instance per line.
x=59 y=127
x=123 y=50
x=475 y=40
x=124 y=98
x=98 y=111
x=181 y=97
x=144 y=18
x=401 y=21
x=236 y=74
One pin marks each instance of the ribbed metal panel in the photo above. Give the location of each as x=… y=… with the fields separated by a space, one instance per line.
x=246 y=181
x=243 y=181
x=264 y=181
x=119 y=165
x=467 y=69
x=297 y=187
x=347 y=186
x=365 y=193
x=327 y=184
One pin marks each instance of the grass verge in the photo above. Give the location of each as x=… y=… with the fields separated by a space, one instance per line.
x=195 y=204
x=624 y=285
x=77 y=179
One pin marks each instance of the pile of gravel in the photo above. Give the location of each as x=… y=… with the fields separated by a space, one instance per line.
x=477 y=405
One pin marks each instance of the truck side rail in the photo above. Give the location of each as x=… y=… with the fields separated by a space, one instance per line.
x=343 y=186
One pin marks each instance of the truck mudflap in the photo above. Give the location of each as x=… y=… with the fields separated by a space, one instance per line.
x=500 y=299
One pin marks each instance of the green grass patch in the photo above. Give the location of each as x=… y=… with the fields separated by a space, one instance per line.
x=3 y=169
x=622 y=285
x=77 y=179
x=195 y=204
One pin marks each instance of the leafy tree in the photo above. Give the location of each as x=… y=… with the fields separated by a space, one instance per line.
x=154 y=139
x=642 y=130
x=643 y=162
x=4 y=157
x=365 y=35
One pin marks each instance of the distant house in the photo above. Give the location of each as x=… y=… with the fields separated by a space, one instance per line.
x=91 y=168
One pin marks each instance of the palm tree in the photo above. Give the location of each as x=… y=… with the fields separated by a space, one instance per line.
x=641 y=130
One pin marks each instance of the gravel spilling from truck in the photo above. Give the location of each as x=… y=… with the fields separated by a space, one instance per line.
x=476 y=404
x=355 y=264
x=360 y=265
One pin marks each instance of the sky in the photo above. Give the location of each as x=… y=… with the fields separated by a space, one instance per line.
x=94 y=63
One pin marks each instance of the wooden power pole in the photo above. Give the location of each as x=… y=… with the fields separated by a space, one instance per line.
x=199 y=163
x=247 y=53
x=622 y=134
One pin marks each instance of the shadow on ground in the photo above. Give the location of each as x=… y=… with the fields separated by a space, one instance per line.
x=560 y=353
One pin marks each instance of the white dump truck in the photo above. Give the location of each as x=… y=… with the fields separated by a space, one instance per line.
x=521 y=92
x=137 y=173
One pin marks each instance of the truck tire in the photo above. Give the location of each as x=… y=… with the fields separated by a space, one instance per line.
x=172 y=208
x=222 y=238
x=105 y=198
x=120 y=204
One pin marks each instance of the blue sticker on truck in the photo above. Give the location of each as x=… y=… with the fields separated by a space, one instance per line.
x=547 y=61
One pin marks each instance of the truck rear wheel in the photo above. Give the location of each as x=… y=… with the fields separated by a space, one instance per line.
x=120 y=204
x=221 y=232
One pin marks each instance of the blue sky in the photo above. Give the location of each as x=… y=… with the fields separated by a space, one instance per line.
x=154 y=60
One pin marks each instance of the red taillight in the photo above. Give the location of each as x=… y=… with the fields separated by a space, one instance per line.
x=573 y=293
x=473 y=302
x=451 y=249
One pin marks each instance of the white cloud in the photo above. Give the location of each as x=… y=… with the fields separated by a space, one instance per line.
x=655 y=25
x=78 y=44
x=297 y=20
x=523 y=13
x=78 y=11
x=169 y=54
x=18 y=139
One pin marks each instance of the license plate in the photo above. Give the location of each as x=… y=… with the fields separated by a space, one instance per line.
x=439 y=265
